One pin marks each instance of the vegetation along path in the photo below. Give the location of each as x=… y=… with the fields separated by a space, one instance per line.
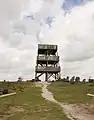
x=72 y=111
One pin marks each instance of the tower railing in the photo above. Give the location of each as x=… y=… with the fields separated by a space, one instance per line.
x=47 y=69
x=48 y=58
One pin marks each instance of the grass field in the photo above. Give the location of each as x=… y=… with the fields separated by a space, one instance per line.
x=28 y=104
x=72 y=93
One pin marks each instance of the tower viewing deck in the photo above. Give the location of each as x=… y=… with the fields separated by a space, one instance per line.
x=47 y=62
x=50 y=59
x=48 y=69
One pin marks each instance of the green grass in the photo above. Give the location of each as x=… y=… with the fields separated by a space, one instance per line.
x=33 y=106
x=72 y=93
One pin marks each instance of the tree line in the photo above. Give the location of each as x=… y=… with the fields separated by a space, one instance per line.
x=76 y=79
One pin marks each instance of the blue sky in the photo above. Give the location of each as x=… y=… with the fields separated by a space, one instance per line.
x=69 y=4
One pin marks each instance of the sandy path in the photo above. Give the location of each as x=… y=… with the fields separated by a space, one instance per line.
x=72 y=111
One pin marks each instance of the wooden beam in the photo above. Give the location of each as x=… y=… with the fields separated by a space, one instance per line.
x=91 y=95
x=5 y=95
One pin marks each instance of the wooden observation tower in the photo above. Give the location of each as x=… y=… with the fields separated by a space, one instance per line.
x=47 y=62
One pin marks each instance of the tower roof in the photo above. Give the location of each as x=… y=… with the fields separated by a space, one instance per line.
x=42 y=48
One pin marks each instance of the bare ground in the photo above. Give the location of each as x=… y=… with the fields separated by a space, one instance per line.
x=11 y=110
x=72 y=111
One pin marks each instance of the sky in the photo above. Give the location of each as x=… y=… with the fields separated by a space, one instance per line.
x=26 y=23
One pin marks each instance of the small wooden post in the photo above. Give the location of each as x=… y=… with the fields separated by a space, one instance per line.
x=91 y=95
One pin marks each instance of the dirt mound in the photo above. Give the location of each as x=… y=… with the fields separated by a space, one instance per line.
x=9 y=111
x=89 y=108
x=13 y=109
x=79 y=111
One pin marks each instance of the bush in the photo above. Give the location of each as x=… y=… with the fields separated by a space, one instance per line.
x=84 y=81
x=5 y=91
x=21 y=89
x=92 y=84
x=13 y=88
x=77 y=79
x=91 y=80
x=72 y=80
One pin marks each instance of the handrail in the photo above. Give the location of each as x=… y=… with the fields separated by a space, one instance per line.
x=48 y=58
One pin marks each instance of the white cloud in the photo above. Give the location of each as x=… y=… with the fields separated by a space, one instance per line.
x=74 y=34
x=9 y=11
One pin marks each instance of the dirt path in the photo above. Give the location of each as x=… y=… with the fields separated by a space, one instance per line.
x=72 y=111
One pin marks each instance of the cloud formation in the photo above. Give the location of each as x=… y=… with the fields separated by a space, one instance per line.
x=25 y=23
x=74 y=35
